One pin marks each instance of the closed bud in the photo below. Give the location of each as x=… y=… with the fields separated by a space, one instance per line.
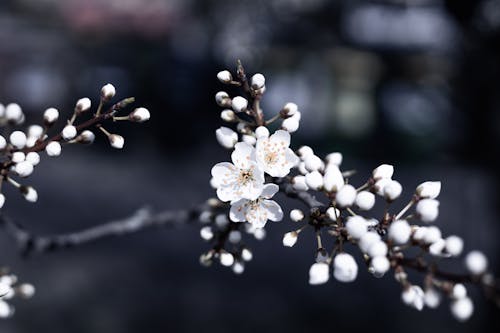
x=319 y=273
x=261 y=132
x=296 y=215
x=476 y=262
x=53 y=149
x=399 y=232
x=69 y=132
x=314 y=180
x=226 y=137
x=290 y=238
x=222 y=99
x=50 y=116
x=356 y=226
x=392 y=190
x=429 y=190
x=299 y=183
x=345 y=268
x=365 y=200
x=290 y=109
x=86 y=137
x=29 y=193
x=18 y=139
x=224 y=76
x=108 y=91
x=33 y=158
x=239 y=104
x=14 y=113
x=116 y=141
x=24 y=169
x=427 y=210
x=383 y=171
x=228 y=115
x=346 y=196
x=258 y=81
x=139 y=115
x=82 y=105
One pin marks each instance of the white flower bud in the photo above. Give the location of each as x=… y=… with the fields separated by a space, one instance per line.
x=333 y=178
x=82 y=105
x=206 y=233
x=3 y=142
x=139 y=115
x=345 y=268
x=239 y=104
x=116 y=141
x=334 y=159
x=319 y=273
x=377 y=249
x=86 y=137
x=238 y=268
x=454 y=245
x=53 y=149
x=249 y=139
x=392 y=190
x=367 y=240
x=380 y=265
x=313 y=163
x=432 y=235
x=26 y=290
x=332 y=213
x=296 y=215
x=304 y=152
x=228 y=115
x=290 y=108
x=221 y=221
x=299 y=183
x=108 y=91
x=18 y=139
x=226 y=137
x=5 y=310
x=399 y=231
x=436 y=248
x=234 y=237
x=2 y=200
x=35 y=131
x=50 y=116
x=476 y=262
x=414 y=297
x=462 y=309
x=383 y=171
x=380 y=185
x=365 y=200
x=302 y=168
x=290 y=124
x=14 y=113
x=356 y=226
x=246 y=254
x=427 y=210
x=18 y=157
x=459 y=291
x=24 y=169
x=29 y=193
x=290 y=238
x=258 y=81
x=432 y=298
x=69 y=132
x=226 y=259
x=222 y=99
x=224 y=76
x=259 y=233
x=261 y=132
x=429 y=190
x=346 y=196
x=314 y=180
x=33 y=158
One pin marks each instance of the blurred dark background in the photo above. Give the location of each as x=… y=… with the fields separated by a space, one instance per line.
x=412 y=83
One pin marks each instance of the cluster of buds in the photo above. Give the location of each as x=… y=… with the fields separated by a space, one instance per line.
x=20 y=149
x=262 y=164
x=10 y=288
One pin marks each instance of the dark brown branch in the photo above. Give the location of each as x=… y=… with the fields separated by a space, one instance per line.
x=144 y=218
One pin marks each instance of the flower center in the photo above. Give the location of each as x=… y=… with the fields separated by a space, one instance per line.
x=245 y=176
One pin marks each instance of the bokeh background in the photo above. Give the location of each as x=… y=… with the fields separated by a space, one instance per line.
x=412 y=83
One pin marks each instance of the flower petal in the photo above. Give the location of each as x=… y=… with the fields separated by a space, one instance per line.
x=243 y=155
x=281 y=137
x=238 y=210
x=274 y=212
x=269 y=191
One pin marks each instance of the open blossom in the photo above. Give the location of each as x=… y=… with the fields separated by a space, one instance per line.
x=241 y=179
x=258 y=211
x=274 y=154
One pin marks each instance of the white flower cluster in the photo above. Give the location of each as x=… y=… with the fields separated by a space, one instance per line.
x=10 y=289
x=20 y=150
x=263 y=164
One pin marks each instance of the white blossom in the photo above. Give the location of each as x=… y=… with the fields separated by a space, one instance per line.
x=291 y=124
x=14 y=113
x=238 y=267
x=313 y=163
x=380 y=265
x=383 y=171
x=261 y=132
x=427 y=210
x=50 y=116
x=314 y=180
x=332 y=213
x=291 y=108
x=226 y=259
x=459 y=291
x=429 y=190
x=299 y=183
x=18 y=157
x=432 y=235
x=400 y=231
x=53 y=148
x=367 y=240
x=139 y=115
x=319 y=273
x=69 y=132
x=24 y=169
x=296 y=215
x=476 y=262
x=206 y=233
x=346 y=196
x=290 y=238
x=333 y=179
x=365 y=200
x=18 y=139
x=246 y=254
x=413 y=296
x=86 y=137
x=334 y=159
x=392 y=190
x=228 y=115
x=108 y=91
x=226 y=137
x=224 y=76
x=274 y=155
x=3 y=142
x=116 y=141
x=257 y=81
x=30 y=194
x=462 y=309
x=304 y=152
x=377 y=249
x=82 y=105
x=454 y=245
x=356 y=226
x=345 y=268
x=241 y=179
x=35 y=131
x=432 y=298
x=222 y=99
x=258 y=211
x=239 y=104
